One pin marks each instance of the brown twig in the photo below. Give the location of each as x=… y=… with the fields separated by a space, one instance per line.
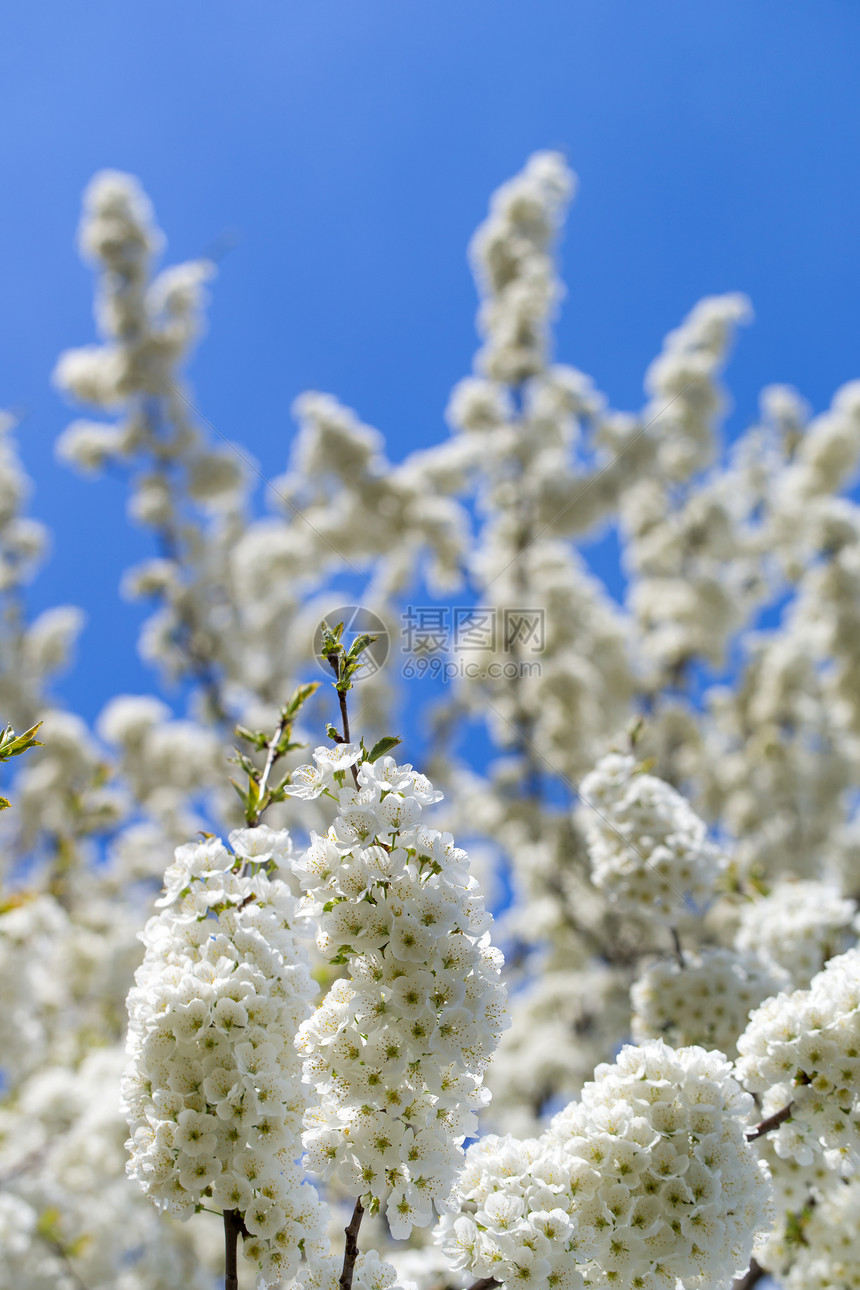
x=484 y=1283
x=344 y=715
x=350 y=1253
x=772 y=1122
x=335 y=661
x=679 y=953
x=233 y=1225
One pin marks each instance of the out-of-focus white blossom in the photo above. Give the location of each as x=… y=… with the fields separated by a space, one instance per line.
x=649 y=850
x=797 y=926
x=706 y=1001
x=511 y=256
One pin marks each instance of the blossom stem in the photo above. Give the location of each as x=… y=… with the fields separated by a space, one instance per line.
x=337 y=664
x=271 y=757
x=679 y=953
x=350 y=1253
x=232 y=1227
x=344 y=715
x=772 y=1122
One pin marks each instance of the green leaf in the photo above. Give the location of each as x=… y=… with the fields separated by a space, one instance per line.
x=12 y=745
x=245 y=762
x=359 y=645
x=383 y=746
x=255 y=737
x=300 y=696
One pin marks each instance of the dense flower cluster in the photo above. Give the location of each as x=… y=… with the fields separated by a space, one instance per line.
x=397 y=1049
x=797 y=926
x=648 y=1180
x=817 y=1247
x=707 y=1001
x=649 y=850
x=803 y=1049
x=213 y=1090
x=370 y=1273
x=510 y=252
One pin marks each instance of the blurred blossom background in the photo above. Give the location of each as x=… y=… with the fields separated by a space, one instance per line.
x=335 y=157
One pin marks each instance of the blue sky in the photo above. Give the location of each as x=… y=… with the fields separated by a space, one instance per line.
x=353 y=145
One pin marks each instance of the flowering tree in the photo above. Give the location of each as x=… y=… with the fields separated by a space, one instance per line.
x=310 y=1074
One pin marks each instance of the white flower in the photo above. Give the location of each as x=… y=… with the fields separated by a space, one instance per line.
x=340 y=757
x=625 y=1182
x=803 y=1048
x=798 y=926
x=194 y=860
x=706 y=1002
x=213 y=1091
x=397 y=1050
x=649 y=851
x=261 y=844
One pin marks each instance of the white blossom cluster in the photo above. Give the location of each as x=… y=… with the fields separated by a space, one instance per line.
x=706 y=1001
x=370 y=1273
x=797 y=927
x=147 y=324
x=803 y=1049
x=73 y=1218
x=649 y=850
x=818 y=1248
x=213 y=1091
x=647 y=1181
x=511 y=255
x=397 y=1049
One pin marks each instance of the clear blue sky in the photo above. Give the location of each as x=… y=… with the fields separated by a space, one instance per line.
x=354 y=143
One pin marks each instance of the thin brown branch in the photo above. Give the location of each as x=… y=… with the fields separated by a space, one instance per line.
x=233 y=1225
x=350 y=1253
x=679 y=953
x=484 y=1283
x=768 y=1125
x=344 y=715
x=336 y=662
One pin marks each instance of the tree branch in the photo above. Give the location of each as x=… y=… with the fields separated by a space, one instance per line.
x=350 y=1253
x=337 y=665
x=233 y=1225
x=484 y=1283
x=772 y=1122
x=679 y=953
x=271 y=757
